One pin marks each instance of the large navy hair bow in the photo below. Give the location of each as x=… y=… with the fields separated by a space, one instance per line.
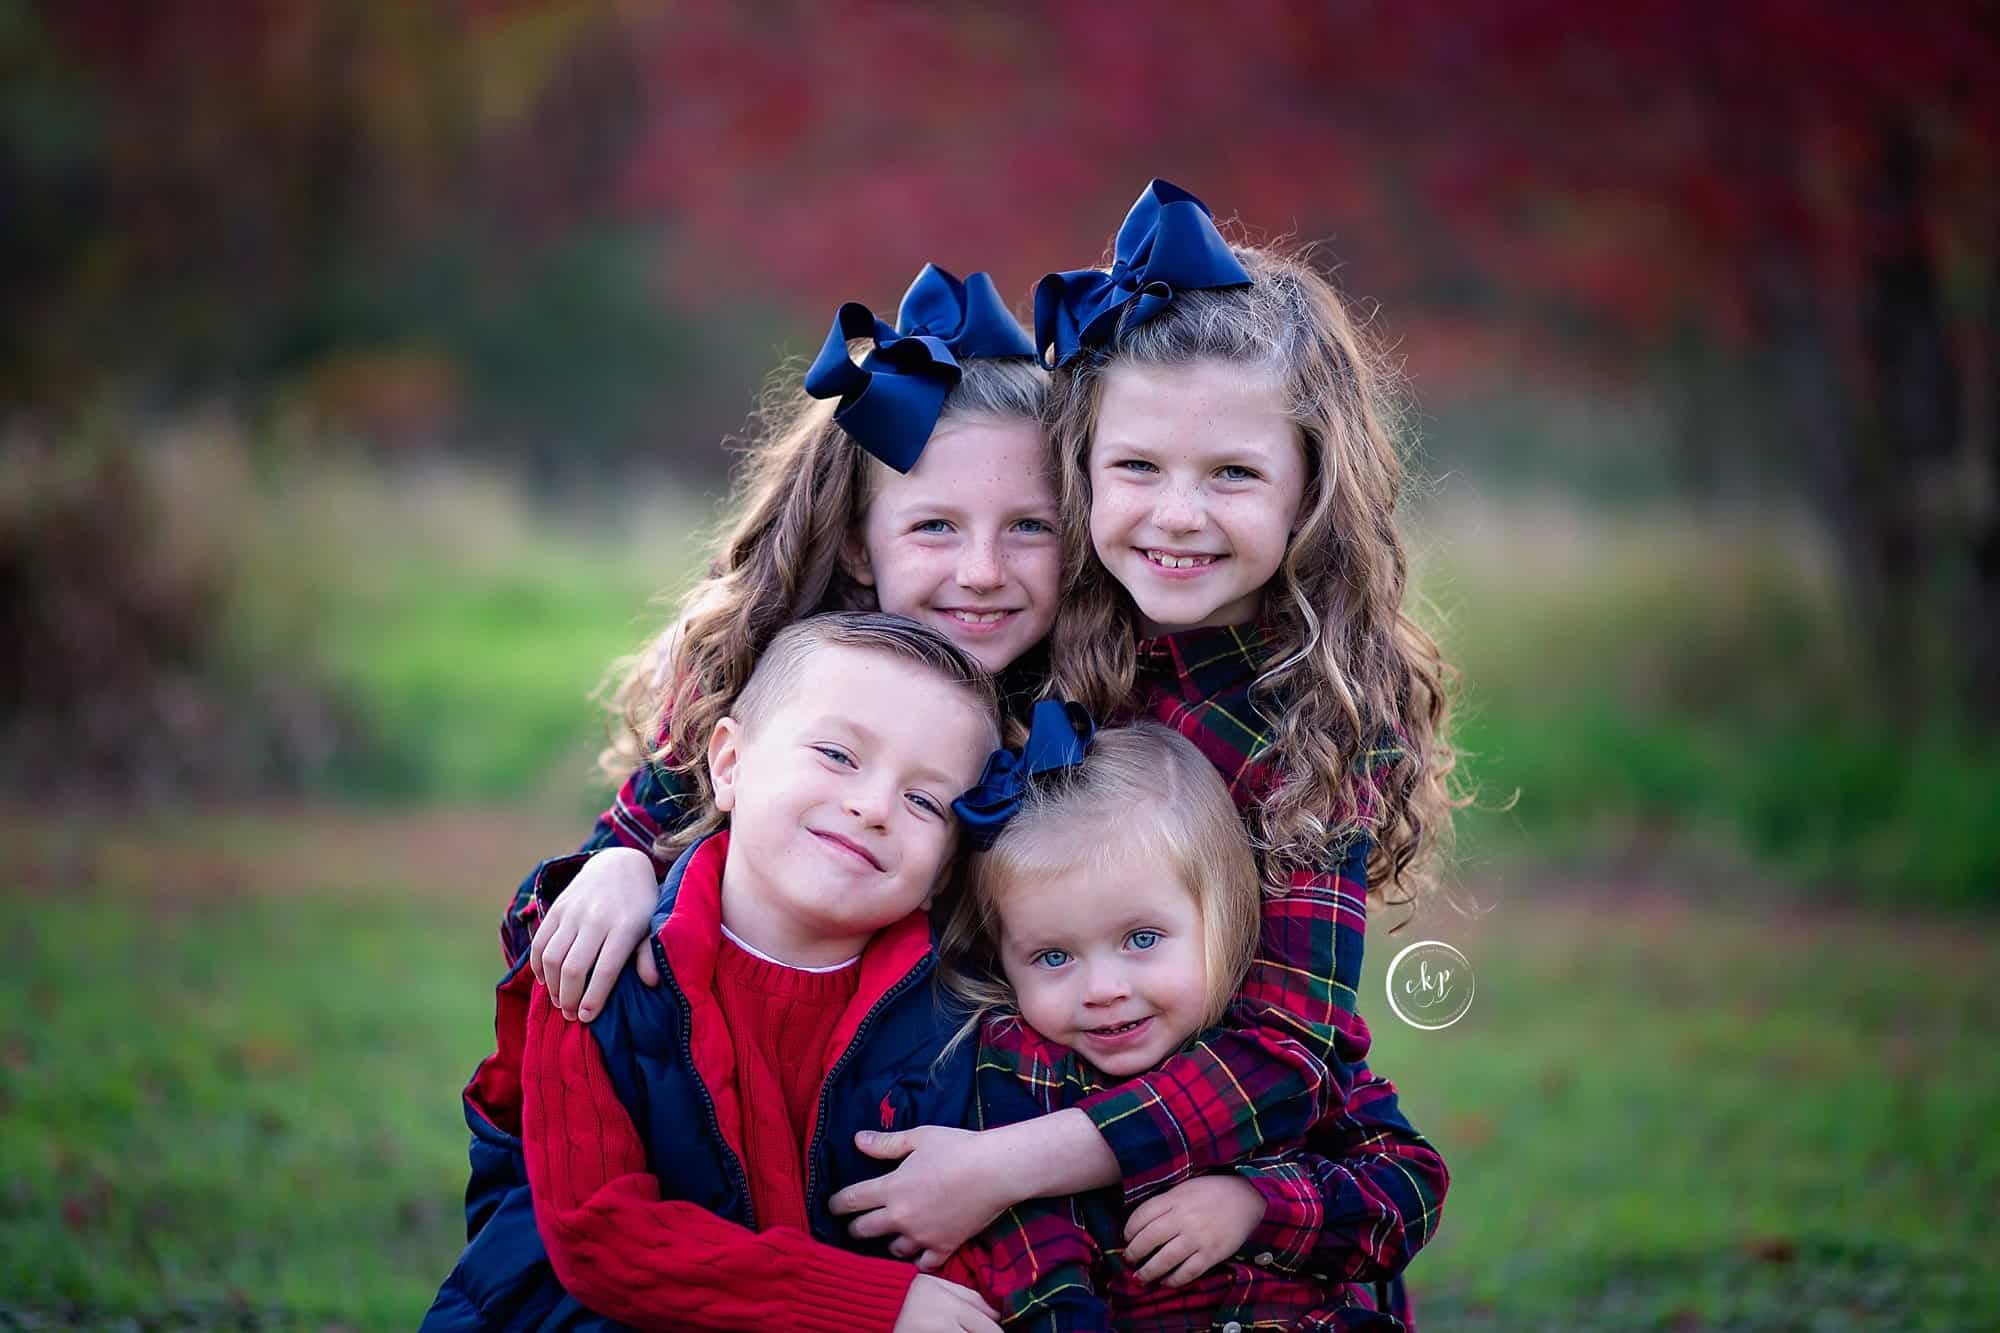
x=889 y=404
x=1058 y=736
x=1168 y=244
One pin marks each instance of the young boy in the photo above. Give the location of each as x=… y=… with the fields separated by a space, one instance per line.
x=677 y=1153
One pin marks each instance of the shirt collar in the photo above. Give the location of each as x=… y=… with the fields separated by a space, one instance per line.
x=1204 y=663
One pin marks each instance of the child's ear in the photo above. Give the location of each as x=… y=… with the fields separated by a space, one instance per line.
x=724 y=748
x=854 y=558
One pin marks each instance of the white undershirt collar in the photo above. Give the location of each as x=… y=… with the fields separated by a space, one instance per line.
x=756 y=952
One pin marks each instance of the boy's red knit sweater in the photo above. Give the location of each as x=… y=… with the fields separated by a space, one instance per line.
x=625 y=1252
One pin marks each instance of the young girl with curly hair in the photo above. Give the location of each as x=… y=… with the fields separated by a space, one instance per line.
x=915 y=482
x=1233 y=571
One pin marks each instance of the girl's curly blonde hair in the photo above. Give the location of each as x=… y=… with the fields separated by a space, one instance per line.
x=1356 y=695
x=800 y=492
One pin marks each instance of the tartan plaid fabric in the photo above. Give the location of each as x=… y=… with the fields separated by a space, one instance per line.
x=1299 y=1062
x=1046 y=1249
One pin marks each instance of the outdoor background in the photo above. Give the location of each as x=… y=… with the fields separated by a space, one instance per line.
x=366 y=370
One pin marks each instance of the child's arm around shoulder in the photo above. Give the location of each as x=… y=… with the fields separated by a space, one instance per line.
x=1286 y=1061
x=626 y=1252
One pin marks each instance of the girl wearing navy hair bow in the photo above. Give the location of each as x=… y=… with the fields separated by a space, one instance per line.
x=1233 y=570
x=914 y=480
x=908 y=473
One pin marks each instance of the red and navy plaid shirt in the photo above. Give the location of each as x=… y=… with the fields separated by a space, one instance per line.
x=1299 y=1065
x=1286 y=1276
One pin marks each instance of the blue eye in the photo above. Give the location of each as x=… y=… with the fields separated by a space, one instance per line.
x=1050 y=958
x=1237 y=472
x=836 y=754
x=931 y=525
x=926 y=804
x=1143 y=939
x=1035 y=525
x=1135 y=465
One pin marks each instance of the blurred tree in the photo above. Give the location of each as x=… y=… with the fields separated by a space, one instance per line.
x=1795 y=204
x=1786 y=212
x=399 y=217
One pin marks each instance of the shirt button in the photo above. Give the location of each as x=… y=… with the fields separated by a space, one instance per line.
x=1232 y=1327
x=1265 y=1260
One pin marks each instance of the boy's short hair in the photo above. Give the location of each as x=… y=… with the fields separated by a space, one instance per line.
x=781 y=667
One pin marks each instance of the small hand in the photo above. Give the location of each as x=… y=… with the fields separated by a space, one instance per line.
x=1181 y=1234
x=935 y=1304
x=941 y=1196
x=601 y=918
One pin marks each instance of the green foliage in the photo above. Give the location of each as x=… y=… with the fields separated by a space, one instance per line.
x=1661 y=686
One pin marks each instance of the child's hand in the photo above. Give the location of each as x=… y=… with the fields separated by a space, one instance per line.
x=940 y=1197
x=1181 y=1234
x=600 y=919
x=935 y=1304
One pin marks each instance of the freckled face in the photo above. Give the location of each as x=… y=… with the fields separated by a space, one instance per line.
x=965 y=542
x=1109 y=964
x=1197 y=473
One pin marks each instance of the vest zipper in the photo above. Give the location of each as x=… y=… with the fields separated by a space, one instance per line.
x=826 y=1087
x=701 y=1083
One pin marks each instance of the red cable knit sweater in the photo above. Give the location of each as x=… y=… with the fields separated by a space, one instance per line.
x=659 y=1264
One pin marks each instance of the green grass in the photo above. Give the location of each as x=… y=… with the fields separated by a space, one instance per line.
x=1661 y=1115
x=481 y=683
x=230 y=1054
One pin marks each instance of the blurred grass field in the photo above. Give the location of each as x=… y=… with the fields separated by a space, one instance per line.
x=1730 y=1064
x=230 y=1049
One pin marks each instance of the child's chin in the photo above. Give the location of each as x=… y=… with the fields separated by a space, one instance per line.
x=1127 y=1063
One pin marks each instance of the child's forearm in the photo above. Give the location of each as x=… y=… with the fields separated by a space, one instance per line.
x=1058 y=1154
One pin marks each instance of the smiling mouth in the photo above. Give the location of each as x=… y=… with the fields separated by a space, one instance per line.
x=1117 y=1029
x=1168 y=560
x=848 y=845
x=975 y=619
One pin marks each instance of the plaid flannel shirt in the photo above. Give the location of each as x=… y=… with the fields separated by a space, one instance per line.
x=1300 y=1063
x=1033 y=1262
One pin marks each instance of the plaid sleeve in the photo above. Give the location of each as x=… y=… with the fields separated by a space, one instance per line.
x=1286 y=1060
x=653 y=800
x=1037 y=1262
x=1358 y=1201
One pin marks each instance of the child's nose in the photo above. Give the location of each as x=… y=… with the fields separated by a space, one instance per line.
x=979 y=566
x=868 y=803
x=1178 y=510
x=1104 y=983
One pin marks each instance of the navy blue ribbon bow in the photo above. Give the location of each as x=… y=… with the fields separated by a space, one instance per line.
x=1058 y=736
x=1168 y=244
x=889 y=403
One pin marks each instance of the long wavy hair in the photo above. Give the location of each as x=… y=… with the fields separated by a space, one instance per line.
x=1354 y=693
x=801 y=489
